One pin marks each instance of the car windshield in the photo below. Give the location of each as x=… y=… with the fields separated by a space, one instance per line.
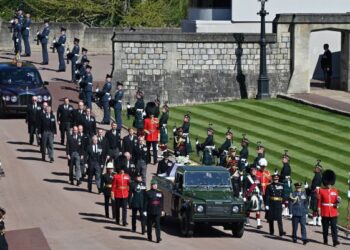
x=203 y=178
x=22 y=76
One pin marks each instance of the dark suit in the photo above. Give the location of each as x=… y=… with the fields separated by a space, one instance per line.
x=89 y=124
x=95 y=161
x=65 y=117
x=48 y=130
x=32 y=120
x=129 y=144
x=75 y=150
x=113 y=144
x=78 y=117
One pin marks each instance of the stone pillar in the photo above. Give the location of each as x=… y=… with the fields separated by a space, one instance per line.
x=345 y=61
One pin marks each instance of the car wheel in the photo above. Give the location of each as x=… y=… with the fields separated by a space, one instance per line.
x=237 y=229
x=186 y=226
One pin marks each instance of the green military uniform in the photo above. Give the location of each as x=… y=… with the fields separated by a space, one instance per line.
x=138 y=190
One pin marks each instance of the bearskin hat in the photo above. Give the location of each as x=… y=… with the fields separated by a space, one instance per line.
x=152 y=109
x=328 y=177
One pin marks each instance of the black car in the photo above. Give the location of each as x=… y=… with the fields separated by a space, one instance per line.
x=19 y=81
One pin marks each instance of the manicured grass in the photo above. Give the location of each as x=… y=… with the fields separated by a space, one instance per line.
x=308 y=134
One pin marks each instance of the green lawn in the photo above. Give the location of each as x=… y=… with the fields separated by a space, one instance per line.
x=308 y=134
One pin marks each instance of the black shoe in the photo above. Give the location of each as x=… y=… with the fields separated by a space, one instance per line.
x=325 y=242
x=305 y=242
x=272 y=233
x=51 y=160
x=282 y=234
x=78 y=183
x=44 y=63
x=133 y=230
x=72 y=182
x=149 y=239
x=118 y=223
x=294 y=240
x=143 y=232
x=125 y=224
x=43 y=159
x=259 y=227
x=336 y=243
x=159 y=240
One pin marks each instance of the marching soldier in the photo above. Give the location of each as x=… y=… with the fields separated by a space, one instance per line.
x=151 y=128
x=73 y=57
x=223 y=150
x=138 y=190
x=65 y=118
x=244 y=154
x=153 y=209
x=113 y=142
x=264 y=174
x=87 y=84
x=207 y=147
x=138 y=110
x=118 y=101
x=163 y=122
x=141 y=156
x=79 y=73
x=180 y=148
x=84 y=57
x=260 y=149
x=252 y=195
x=79 y=114
x=273 y=204
x=60 y=46
x=17 y=36
x=231 y=156
x=106 y=187
x=3 y=242
x=186 y=132
x=33 y=120
x=285 y=179
x=299 y=210
x=235 y=177
x=25 y=34
x=328 y=201
x=105 y=98
x=89 y=123
x=95 y=162
x=313 y=192
x=120 y=192
x=75 y=155
x=48 y=130
x=44 y=38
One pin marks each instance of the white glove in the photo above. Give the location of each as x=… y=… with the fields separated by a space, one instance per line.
x=240 y=194
x=86 y=165
x=145 y=214
x=163 y=213
x=306 y=186
x=267 y=208
x=101 y=166
x=197 y=142
x=244 y=199
x=17 y=40
x=128 y=106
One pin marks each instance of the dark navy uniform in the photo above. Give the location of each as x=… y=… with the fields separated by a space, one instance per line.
x=138 y=190
x=65 y=117
x=74 y=57
x=223 y=150
x=33 y=120
x=60 y=51
x=48 y=130
x=85 y=141
x=17 y=38
x=243 y=158
x=273 y=204
x=106 y=188
x=153 y=207
x=25 y=35
x=139 y=108
x=118 y=98
x=106 y=97
x=140 y=156
x=299 y=210
x=164 y=166
x=87 y=89
x=44 y=38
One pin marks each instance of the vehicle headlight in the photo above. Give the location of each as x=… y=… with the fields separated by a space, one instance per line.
x=40 y=98
x=200 y=209
x=235 y=209
x=13 y=98
x=4 y=98
x=7 y=98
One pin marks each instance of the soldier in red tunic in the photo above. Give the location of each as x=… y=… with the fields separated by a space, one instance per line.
x=264 y=175
x=328 y=200
x=151 y=129
x=120 y=192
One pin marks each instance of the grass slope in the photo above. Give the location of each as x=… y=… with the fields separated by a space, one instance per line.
x=308 y=134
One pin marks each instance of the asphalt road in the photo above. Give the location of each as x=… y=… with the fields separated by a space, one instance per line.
x=36 y=194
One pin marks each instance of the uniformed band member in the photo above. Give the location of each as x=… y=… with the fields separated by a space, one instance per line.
x=273 y=204
x=44 y=39
x=95 y=162
x=105 y=98
x=33 y=119
x=25 y=34
x=87 y=86
x=299 y=210
x=207 y=147
x=328 y=201
x=151 y=128
x=286 y=180
x=84 y=57
x=244 y=154
x=3 y=242
x=236 y=179
x=120 y=192
x=106 y=187
x=75 y=155
x=17 y=36
x=65 y=118
x=313 y=193
x=260 y=150
x=60 y=46
x=180 y=141
x=138 y=190
x=138 y=111
x=224 y=148
x=48 y=130
x=253 y=195
x=153 y=209
x=73 y=57
x=163 y=123
x=118 y=102
x=186 y=132
x=264 y=174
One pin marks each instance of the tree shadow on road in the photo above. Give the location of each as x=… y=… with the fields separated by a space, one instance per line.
x=117 y=228
x=25 y=150
x=98 y=220
x=29 y=158
x=92 y=215
x=125 y=237
x=55 y=181
x=75 y=189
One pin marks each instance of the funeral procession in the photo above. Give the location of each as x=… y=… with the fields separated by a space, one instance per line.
x=174 y=124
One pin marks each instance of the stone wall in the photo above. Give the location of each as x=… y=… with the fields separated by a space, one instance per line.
x=193 y=68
